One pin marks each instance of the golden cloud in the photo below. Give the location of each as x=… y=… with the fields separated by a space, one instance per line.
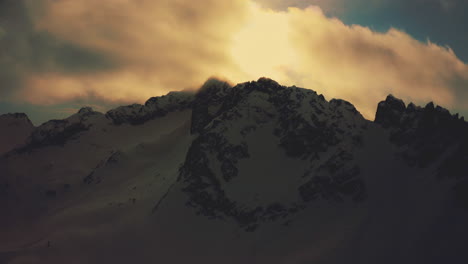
x=362 y=66
x=158 y=45
x=306 y=48
x=175 y=44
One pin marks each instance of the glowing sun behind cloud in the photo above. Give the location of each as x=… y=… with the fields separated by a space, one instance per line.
x=165 y=45
x=306 y=48
x=263 y=47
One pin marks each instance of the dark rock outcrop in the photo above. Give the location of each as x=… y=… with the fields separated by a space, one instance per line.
x=428 y=131
x=390 y=112
x=155 y=107
x=429 y=137
x=207 y=103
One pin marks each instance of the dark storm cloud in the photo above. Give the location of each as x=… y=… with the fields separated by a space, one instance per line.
x=25 y=50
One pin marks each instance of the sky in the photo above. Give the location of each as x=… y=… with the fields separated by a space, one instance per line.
x=59 y=55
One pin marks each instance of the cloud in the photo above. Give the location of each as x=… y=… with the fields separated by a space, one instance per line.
x=338 y=7
x=440 y=20
x=159 y=45
x=306 y=48
x=25 y=51
x=329 y=6
x=123 y=51
x=361 y=65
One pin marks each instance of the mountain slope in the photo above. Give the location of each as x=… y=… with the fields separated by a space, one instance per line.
x=15 y=129
x=256 y=173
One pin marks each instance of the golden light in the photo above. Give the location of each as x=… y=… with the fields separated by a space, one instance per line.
x=161 y=46
x=262 y=46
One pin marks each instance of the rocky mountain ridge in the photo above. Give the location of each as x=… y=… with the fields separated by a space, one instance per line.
x=259 y=158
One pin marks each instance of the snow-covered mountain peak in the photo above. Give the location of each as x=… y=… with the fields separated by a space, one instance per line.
x=393 y=113
x=427 y=136
x=213 y=86
x=172 y=101
x=279 y=174
x=244 y=133
x=86 y=110
x=14 y=118
x=155 y=107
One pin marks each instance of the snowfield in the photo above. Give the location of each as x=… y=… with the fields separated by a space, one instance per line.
x=255 y=173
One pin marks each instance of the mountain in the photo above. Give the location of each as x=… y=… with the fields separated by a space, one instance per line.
x=255 y=173
x=14 y=130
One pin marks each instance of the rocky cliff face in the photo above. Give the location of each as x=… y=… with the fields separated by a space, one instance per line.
x=58 y=132
x=429 y=135
x=279 y=174
x=317 y=135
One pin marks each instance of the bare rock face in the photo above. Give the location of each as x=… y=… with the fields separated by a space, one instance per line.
x=427 y=133
x=58 y=132
x=208 y=102
x=429 y=137
x=14 y=130
x=390 y=111
x=318 y=136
